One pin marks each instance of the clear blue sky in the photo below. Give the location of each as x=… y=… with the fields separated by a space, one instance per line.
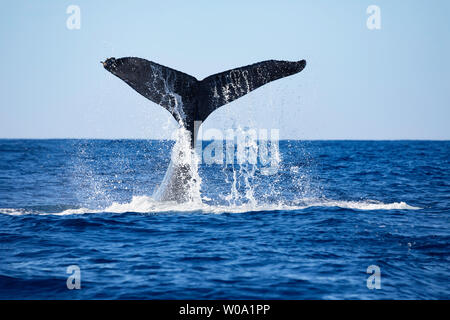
x=392 y=83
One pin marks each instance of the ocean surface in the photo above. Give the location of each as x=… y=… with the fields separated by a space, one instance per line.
x=307 y=229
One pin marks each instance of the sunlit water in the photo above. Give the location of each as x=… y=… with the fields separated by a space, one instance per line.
x=306 y=230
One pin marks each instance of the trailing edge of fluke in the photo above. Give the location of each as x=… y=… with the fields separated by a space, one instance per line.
x=189 y=99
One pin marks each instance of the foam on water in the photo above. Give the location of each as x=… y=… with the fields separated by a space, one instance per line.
x=146 y=204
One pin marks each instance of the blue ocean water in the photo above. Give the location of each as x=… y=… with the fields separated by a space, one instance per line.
x=308 y=231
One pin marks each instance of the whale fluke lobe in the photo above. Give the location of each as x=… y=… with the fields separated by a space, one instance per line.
x=225 y=87
x=167 y=87
x=189 y=99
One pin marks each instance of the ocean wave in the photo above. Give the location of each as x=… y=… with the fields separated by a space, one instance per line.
x=146 y=204
x=365 y=205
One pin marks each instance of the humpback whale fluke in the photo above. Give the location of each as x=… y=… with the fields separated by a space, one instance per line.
x=189 y=99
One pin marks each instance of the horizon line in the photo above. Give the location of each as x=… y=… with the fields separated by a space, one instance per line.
x=288 y=139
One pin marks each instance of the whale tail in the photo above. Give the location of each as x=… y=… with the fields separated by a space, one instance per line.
x=189 y=99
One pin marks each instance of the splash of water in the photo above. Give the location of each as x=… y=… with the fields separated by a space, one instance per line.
x=242 y=177
x=182 y=181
